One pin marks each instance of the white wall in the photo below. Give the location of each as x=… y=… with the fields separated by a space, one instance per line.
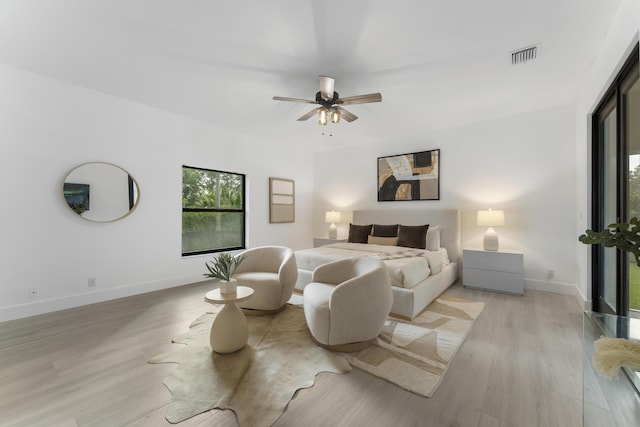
x=622 y=37
x=48 y=127
x=523 y=164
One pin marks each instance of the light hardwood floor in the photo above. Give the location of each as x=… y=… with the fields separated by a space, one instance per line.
x=520 y=366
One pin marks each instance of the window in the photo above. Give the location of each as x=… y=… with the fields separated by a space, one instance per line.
x=616 y=190
x=213 y=211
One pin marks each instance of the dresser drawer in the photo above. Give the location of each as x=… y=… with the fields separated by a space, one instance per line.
x=511 y=262
x=498 y=281
x=493 y=270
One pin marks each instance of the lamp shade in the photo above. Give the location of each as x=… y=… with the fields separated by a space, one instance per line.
x=490 y=218
x=332 y=216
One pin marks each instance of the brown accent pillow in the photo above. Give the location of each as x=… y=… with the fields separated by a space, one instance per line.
x=385 y=230
x=359 y=233
x=413 y=236
x=386 y=241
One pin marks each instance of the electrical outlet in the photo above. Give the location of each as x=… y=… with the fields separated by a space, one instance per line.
x=33 y=293
x=92 y=282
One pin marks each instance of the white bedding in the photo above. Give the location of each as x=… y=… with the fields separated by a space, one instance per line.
x=407 y=267
x=407 y=272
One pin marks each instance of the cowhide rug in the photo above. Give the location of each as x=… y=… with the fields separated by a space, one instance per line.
x=258 y=381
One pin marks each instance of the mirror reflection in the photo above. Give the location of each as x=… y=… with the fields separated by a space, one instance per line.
x=100 y=192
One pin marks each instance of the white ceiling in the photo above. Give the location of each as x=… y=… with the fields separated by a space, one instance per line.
x=437 y=63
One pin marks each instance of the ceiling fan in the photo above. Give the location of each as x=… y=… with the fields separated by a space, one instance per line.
x=331 y=103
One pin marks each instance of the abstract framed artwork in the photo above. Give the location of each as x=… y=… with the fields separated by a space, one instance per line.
x=282 y=200
x=413 y=176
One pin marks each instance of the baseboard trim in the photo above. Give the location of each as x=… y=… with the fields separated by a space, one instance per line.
x=44 y=306
x=554 y=287
x=557 y=288
x=62 y=303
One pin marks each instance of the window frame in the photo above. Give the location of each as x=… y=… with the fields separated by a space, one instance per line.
x=612 y=99
x=242 y=210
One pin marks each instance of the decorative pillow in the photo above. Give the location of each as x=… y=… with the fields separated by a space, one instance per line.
x=386 y=241
x=413 y=236
x=444 y=255
x=435 y=261
x=433 y=238
x=385 y=230
x=359 y=233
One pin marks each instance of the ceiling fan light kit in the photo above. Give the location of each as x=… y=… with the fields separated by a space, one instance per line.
x=330 y=103
x=322 y=116
x=335 y=116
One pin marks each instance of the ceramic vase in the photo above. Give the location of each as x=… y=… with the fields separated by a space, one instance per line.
x=228 y=287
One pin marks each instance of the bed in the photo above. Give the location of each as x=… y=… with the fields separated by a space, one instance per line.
x=417 y=275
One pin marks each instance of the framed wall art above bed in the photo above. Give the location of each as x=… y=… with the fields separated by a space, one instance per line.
x=413 y=176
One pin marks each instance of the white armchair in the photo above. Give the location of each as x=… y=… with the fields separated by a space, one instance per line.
x=271 y=271
x=347 y=303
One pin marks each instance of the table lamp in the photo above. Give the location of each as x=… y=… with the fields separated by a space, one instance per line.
x=332 y=217
x=490 y=218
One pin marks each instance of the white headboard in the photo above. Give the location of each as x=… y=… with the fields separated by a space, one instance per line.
x=448 y=219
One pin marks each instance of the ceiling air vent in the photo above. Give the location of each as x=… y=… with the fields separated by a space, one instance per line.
x=524 y=55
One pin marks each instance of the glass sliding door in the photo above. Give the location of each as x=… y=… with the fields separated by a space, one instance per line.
x=630 y=103
x=616 y=190
x=607 y=133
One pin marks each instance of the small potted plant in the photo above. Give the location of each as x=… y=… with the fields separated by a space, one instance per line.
x=222 y=267
x=624 y=236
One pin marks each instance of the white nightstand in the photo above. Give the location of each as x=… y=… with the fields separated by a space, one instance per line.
x=321 y=241
x=501 y=271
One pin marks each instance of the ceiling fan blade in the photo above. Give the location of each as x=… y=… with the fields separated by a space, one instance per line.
x=327 y=85
x=283 y=98
x=309 y=114
x=347 y=115
x=360 y=99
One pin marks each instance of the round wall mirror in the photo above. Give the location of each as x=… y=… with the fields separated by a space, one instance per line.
x=100 y=192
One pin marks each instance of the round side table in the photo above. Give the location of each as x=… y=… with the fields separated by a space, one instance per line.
x=229 y=331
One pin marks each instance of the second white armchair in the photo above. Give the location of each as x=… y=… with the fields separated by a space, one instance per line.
x=347 y=303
